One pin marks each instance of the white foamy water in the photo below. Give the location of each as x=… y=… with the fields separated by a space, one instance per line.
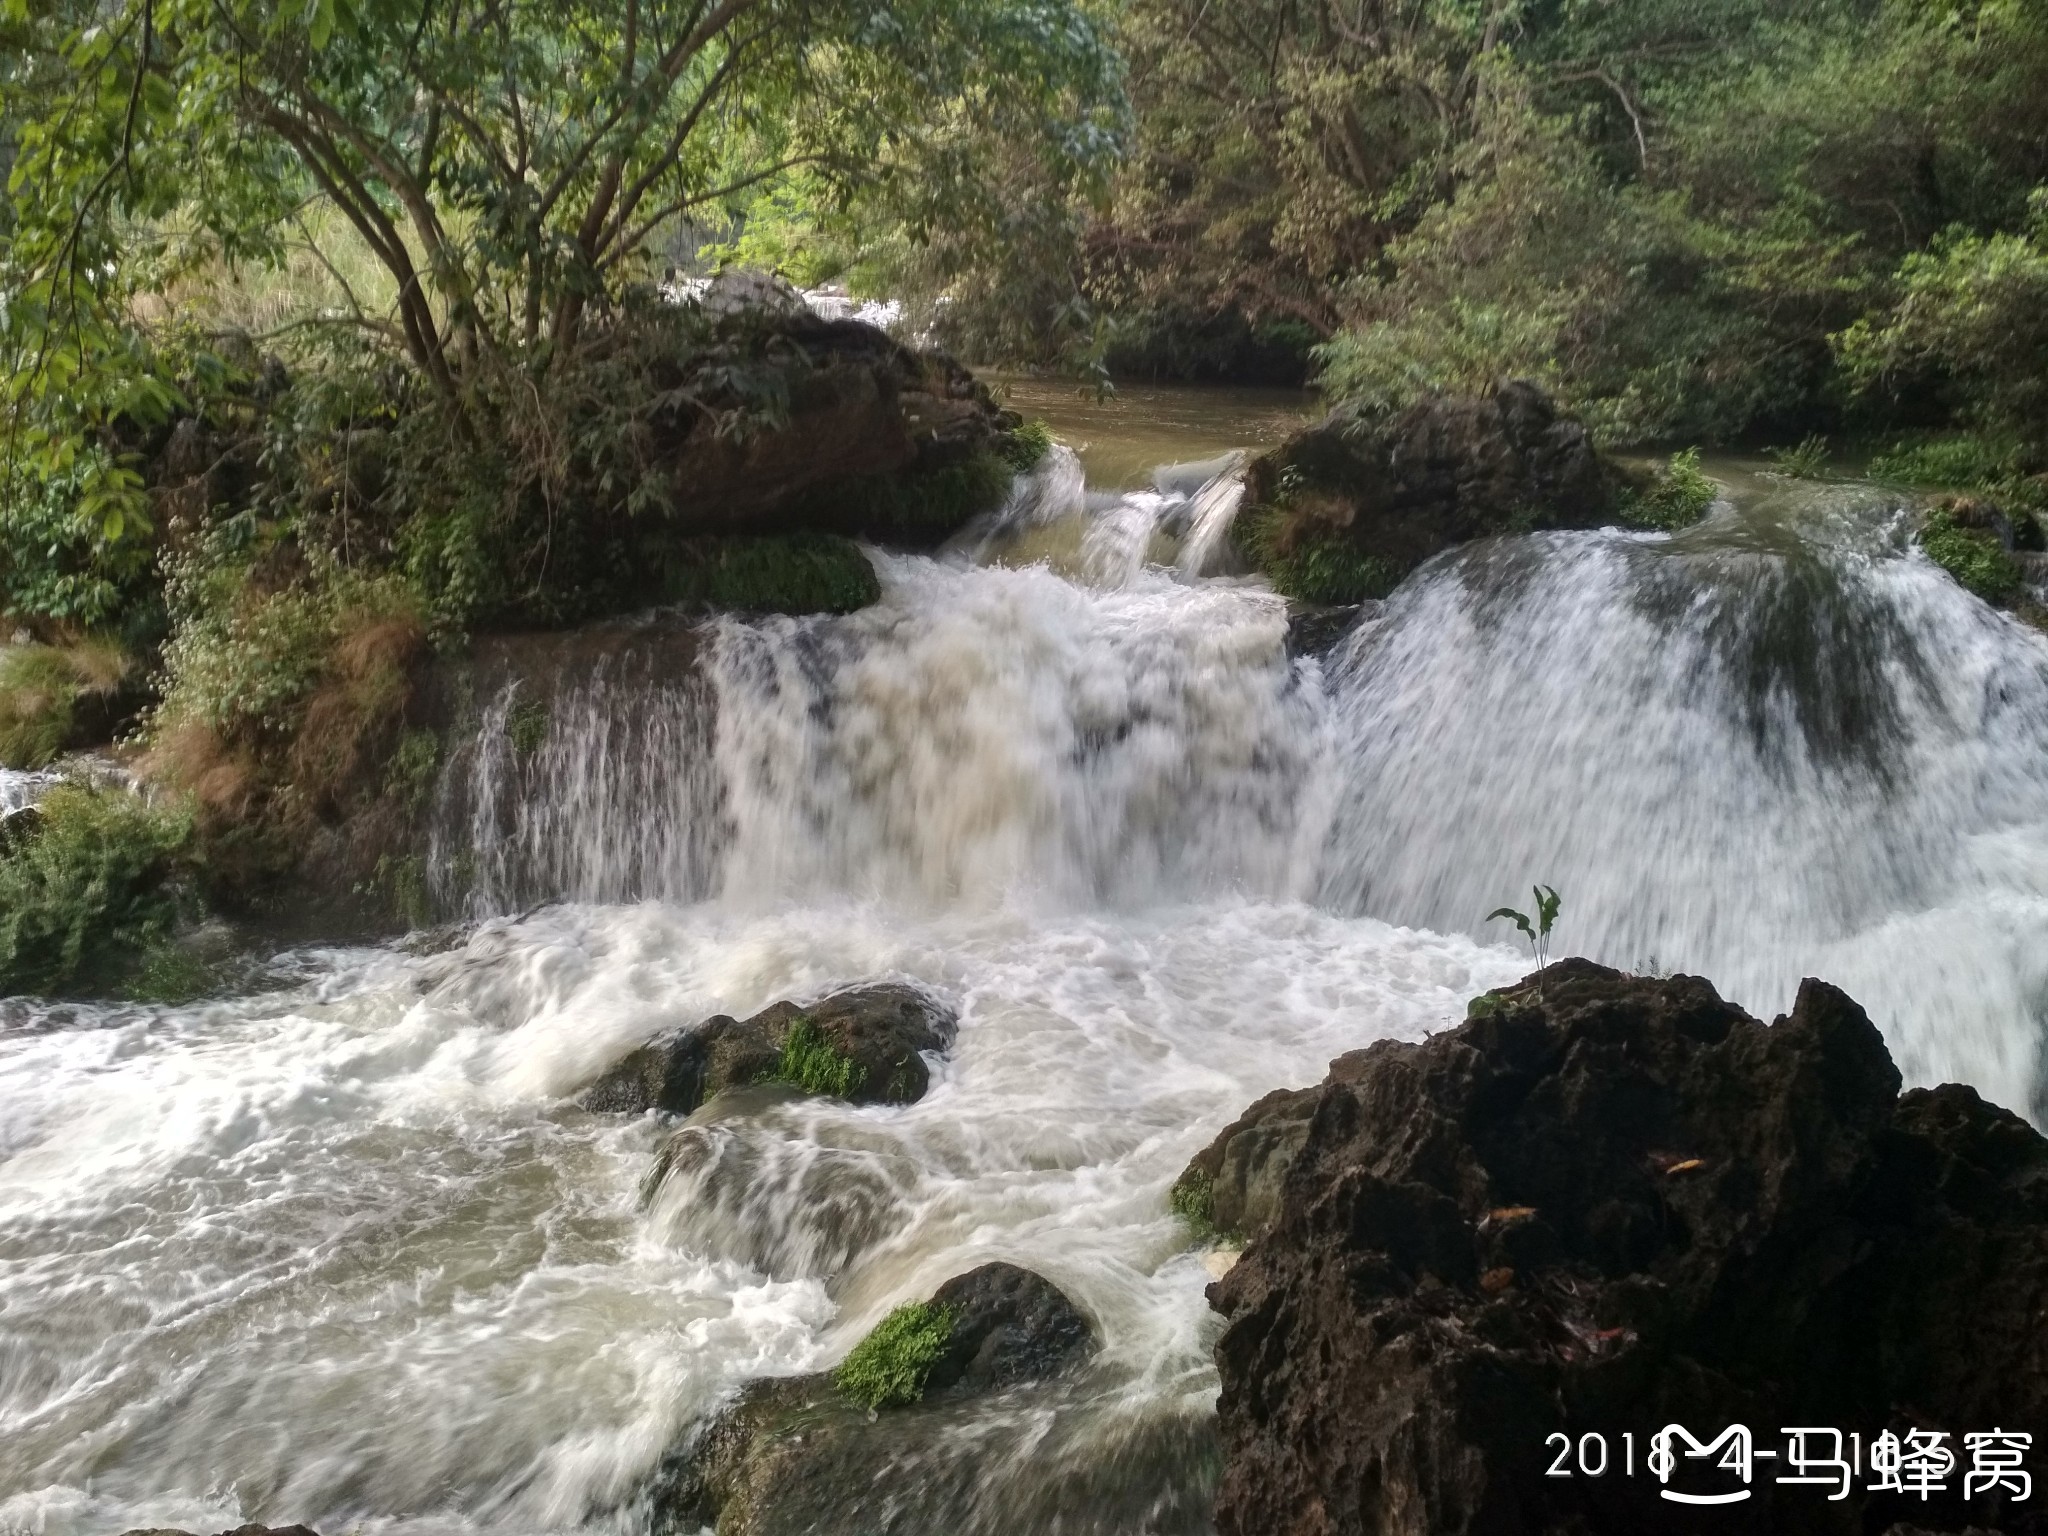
x=345 y=1252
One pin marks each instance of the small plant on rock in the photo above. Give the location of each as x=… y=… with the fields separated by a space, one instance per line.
x=1807 y=460
x=887 y=1369
x=1538 y=931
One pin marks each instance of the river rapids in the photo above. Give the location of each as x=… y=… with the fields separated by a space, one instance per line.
x=344 y=1251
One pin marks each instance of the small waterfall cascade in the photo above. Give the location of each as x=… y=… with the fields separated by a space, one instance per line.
x=345 y=1250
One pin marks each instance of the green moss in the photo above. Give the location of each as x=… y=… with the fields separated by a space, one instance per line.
x=402 y=881
x=1193 y=1200
x=1485 y=1005
x=887 y=1369
x=808 y=1061
x=1677 y=497
x=792 y=573
x=1024 y=447
x=526 y=726
x=1972 y=556
x=88 y=893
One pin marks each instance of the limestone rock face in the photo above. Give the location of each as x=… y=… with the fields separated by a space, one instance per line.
x=1610 y=1206
x=881 y=1030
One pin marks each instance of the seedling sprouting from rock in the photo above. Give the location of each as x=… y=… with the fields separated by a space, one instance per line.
x=1537 y=932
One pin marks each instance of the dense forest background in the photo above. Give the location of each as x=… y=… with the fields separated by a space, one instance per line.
x=334 y=332
x=1696 y=220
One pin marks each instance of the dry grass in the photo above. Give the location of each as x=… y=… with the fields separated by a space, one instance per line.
x=40 y=689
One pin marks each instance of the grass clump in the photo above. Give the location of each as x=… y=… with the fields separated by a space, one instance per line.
x=1973 y=556
x=41 y=687
x=792 y=573
x=89 y=892
x=887 y=1369
x=1806 y=460
x=1677 y=497
x=808 y=1061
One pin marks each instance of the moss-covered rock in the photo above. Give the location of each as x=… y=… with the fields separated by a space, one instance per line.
x=1341 y=512
x=864 y=1044
x=1674 y=495
x=1972 y=541
x=800 y=1455
x=1231 y=1190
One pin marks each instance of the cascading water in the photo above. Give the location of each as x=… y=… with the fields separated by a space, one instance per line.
x=343 y=1250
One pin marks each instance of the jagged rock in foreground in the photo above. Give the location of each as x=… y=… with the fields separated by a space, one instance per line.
x=1619 y=1205
x=863 y=1044
x=1343 y=510
x=806 y=1455
x=251 y=1529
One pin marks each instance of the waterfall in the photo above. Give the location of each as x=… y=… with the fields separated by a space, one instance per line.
x=344 y=1249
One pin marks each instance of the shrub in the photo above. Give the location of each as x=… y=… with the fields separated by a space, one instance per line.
x=1805 y=460
x=1678 y=495
x=887 y=1369
x=1027 y=445
x=89 y=892
x=1972 y=556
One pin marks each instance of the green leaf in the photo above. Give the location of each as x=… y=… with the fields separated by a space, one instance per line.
x=1519 y=919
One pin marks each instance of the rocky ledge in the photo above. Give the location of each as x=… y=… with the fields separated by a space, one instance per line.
x=1609 y=1204
x=864 y=1044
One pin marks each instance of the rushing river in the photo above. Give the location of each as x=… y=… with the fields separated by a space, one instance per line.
x=343 y=1251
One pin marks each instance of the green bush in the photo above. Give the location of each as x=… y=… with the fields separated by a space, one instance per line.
x=1026 y=446
x=85 y=896
x=808 y=1061
x=1805 y=460
x=782 y=573
x=1678 y=496
x=887 y=1369
x=1972 y=556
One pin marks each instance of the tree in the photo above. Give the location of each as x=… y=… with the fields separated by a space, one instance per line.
x=508 y=163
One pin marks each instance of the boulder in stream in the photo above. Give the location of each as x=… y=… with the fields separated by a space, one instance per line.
x=864 y=1044
x=1605 y=1205
x=802 y=1456
x=1344 y=509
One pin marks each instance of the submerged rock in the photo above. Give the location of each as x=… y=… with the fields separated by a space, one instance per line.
x=864 y=1044
x=1611 y=1206
x=817 y=1455
x=1345 y=509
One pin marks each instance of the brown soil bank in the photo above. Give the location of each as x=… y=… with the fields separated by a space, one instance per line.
x=1612 y=1205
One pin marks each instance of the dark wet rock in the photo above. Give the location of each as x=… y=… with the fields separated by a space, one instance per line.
x=882 y=1031
x=798 y=1457
x=240 y=1530
x=1009 y=1326
x=1619 y=1205
x=1313 y=630
x=1233 y=1185
x=1343 y=510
